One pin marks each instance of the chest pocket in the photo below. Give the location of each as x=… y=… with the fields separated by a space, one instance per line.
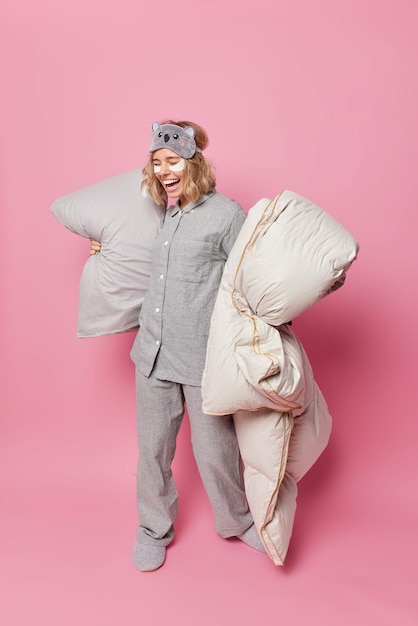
x=193 y=263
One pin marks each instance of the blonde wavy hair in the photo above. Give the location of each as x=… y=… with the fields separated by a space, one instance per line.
x=199 y=174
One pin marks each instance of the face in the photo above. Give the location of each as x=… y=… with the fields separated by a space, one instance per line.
x=169 y=169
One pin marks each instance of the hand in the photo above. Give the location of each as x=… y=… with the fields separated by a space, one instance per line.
x=95 y=247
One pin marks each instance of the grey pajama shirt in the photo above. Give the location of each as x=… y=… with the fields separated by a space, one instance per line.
x=169 y=353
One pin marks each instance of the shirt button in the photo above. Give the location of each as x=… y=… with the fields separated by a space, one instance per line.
x=166 y=243
x=157 y=310
x=157 y=342
x=161 y=276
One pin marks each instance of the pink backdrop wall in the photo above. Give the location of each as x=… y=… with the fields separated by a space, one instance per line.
x=317 y=96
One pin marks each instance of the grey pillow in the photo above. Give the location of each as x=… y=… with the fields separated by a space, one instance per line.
x=126 y=222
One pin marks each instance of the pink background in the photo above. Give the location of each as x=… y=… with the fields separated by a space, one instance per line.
x=317 y=96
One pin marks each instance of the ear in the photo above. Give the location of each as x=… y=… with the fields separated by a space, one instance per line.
x=189 y=131
x=155 y=126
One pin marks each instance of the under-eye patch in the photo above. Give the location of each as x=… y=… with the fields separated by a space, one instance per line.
x=177 y=167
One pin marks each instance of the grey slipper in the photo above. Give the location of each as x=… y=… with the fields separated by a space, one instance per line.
x=252 y=538
x=148 y=558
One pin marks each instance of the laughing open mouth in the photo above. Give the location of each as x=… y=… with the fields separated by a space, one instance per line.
x=168 y=184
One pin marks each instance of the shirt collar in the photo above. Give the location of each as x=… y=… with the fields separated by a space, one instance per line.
x=192 y=205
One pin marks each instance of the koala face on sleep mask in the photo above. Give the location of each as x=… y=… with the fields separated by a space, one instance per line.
x=179 y=140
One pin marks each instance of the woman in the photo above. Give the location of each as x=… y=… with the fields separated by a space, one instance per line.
x=169 y=351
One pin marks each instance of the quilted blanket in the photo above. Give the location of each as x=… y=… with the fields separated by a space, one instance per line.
x=289 y=254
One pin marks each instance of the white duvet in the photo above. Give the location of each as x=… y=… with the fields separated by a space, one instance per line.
x=288 y=255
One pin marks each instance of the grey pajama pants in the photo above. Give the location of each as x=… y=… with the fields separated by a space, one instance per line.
x=160 y=410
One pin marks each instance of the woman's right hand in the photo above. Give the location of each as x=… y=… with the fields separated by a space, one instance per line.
x=95 y=247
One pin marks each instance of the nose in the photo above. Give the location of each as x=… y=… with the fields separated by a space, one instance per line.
x=164 y=168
